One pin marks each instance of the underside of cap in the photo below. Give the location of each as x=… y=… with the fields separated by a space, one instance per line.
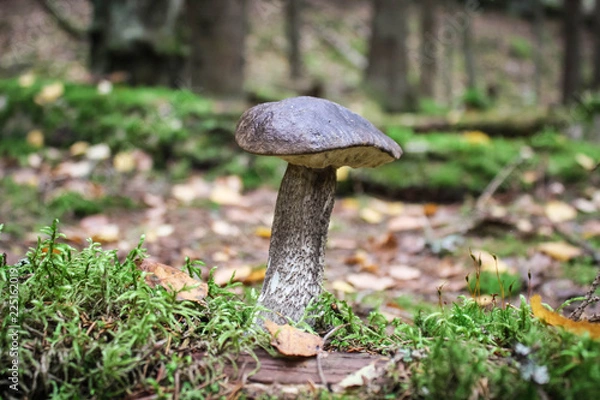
x=315 y=133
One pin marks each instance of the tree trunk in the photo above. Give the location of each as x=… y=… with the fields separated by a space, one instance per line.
x=596 y=28
x=428 y=53
x=572 y=50
x=217 y=31
x=538 y=60
x=293 y=23
x=141 y=38
x=387 y=71
x=469 y=55
x=449 y=41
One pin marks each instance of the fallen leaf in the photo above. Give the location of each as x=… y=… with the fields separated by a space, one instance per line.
x=223 y=228
x=590 y=229
x=98 y=152
x=174 y=280
x=124 y=161
x=555 y=319
x=100 y=229
x=406 y=223
x=342 y=286
x=558 y=211
x=585 y=161
x=430 y=209
x=361 y=377
x=78 y=148
x=404 y=272
x=476 y=137
x=292 y=341
x=35 y=138
x=49 y=93
x=368 y=281
x=489 y=262
x=223 y=275
x=263 y=232
x=370 y=215
x=585 y=205
x=26 y=80
x=561 y=251
x=226 y=191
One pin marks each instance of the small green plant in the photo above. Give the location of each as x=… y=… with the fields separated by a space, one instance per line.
x=476 y=99
x=520 y=47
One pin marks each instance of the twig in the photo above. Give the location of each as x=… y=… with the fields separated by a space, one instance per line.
x=589 y=299
x=320 y=369
x=479 y=214
x=75 y=32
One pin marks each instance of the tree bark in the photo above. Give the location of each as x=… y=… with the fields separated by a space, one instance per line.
x=141 y=38
x=217 y=35
x=387 y=71
x=596 y=30
x=295 y=268
x=468 y=53
x=293 y=23
x=428 y=53
x=571 y=76
x=538 y=32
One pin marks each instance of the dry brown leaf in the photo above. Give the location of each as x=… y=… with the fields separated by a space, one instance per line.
x=406 y=223
x=555 y=319
x=292 y=341
x=489 y=263
x=226 y=191
x=174 y=280
x=100 y=229
x=561 y=251
x=368 y=281
x=558 y=211
x=404 y=272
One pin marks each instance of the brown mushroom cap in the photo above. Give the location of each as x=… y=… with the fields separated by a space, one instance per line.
x=315 y=133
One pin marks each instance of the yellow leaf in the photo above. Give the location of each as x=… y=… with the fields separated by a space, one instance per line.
x=26 y=80
x=560 y=251
x=558 y=211
x=263 y=232
x=555 y=319
x=35 y=138
x=343 y=287
x=174 y=280
x=585 y=161
x=49 y=93
x=371 y=216
x=476 y=137
x=293 y=342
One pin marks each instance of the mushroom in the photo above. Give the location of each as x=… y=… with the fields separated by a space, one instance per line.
x=315 y=136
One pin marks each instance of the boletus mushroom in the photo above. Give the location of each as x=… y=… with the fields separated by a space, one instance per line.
x=315 y=136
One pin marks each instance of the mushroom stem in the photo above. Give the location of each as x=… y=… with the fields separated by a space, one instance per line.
x=297 y=252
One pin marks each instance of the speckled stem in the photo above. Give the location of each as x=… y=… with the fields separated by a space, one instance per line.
x=297 y=254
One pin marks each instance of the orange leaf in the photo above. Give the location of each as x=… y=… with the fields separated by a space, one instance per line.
x=555 y=319
x=174 y=280
x=292 y=341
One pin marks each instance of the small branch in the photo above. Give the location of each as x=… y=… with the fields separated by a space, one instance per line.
x=74 y=31
x=353 y=57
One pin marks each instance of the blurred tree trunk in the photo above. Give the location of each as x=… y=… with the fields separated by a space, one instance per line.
x=449 y=42
x=217 y=30
x=386 y=75
x=428 y=53
x=572 y=50
x=293 y=23
x=141 y=38
x=538 y=60
x=469 y=55
x=596 y=28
